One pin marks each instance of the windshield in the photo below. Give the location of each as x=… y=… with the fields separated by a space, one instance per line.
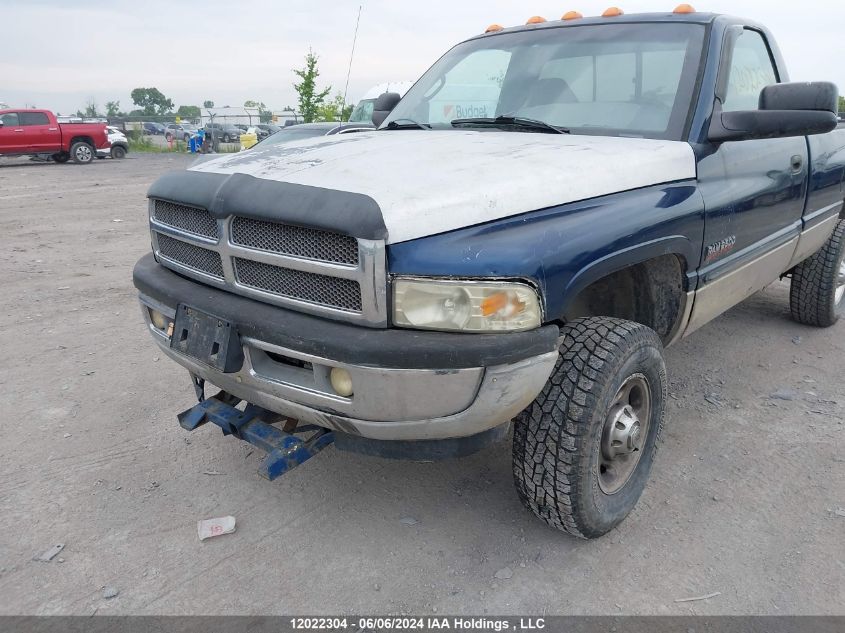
x=609 y=79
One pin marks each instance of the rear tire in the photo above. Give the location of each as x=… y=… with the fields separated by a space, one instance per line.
x=583 y=450
x=82 y=153
x=225 y=138
x=61 y=157
x=118 y=152
x=817 y=289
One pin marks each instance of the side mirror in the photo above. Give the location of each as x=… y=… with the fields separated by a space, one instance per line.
x=383 y=106
x=786 y=110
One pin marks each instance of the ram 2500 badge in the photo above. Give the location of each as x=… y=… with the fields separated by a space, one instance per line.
x=411 y=291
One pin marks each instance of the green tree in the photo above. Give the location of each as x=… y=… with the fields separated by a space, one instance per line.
x=208 y=103
x=92 y=110
x=310 y=98
x=842 y=104
x=188 y=112
x=335 y=110
x=113 y=108
x=152 y=101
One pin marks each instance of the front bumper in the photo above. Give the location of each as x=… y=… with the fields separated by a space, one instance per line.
x=408 y=385
x=105 y=152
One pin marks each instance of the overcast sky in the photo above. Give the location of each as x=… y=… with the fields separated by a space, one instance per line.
x=57 y=54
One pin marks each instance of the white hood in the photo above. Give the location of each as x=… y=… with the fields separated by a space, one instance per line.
x=429 y=182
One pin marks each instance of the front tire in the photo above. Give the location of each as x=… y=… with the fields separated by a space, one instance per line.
x=225 y=138
x=82 y=153
x=817 y=288
x=118 y=152
x=583 y=450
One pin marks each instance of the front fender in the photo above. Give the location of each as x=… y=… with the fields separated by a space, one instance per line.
x=677 y=245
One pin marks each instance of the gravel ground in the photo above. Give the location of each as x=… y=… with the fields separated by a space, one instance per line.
x=747 y=496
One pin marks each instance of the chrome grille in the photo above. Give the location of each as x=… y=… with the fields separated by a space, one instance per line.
x=189 y=219
x=194 y=257
x=344 y=294
x=303 y=268
x=297 y=241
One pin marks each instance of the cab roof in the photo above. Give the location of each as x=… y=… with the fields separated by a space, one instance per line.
x=633 y=18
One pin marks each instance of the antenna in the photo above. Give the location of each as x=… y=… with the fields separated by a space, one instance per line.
x=351 y=56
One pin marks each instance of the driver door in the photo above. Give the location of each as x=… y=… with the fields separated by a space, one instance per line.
x=12 y=137
x=754 y=193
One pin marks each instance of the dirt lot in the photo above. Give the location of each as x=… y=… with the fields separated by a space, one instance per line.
x=746 y=498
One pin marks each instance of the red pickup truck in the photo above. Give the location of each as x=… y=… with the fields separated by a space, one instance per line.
x=38 y=132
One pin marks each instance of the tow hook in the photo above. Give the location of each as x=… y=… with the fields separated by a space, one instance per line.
x=285 y=451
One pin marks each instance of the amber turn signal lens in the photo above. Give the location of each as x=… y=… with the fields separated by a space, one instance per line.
x=684 y=8
x=536 y=19
x=572 y=15
x=612 y=12
x=502 y=303
x=494 y=28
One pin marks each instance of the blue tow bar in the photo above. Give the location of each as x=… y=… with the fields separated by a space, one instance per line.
x=285 y=451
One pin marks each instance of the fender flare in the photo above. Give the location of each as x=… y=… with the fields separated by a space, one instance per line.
x=618 y=260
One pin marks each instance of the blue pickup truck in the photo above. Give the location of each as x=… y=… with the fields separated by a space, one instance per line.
x=545 y=210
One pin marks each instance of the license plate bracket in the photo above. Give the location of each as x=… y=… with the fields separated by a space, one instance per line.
x=209 y=339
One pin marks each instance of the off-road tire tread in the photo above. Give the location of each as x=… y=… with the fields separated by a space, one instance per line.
x=551 y=436
x=813 y=287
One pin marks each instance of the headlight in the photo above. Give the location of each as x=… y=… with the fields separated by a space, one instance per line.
x=466 y=306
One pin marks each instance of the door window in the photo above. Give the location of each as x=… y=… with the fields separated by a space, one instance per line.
x=34 y=118
x=751 y=70
x=10 y=119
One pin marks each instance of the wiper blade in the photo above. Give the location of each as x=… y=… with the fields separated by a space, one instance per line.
x=515 y=121
x=404 y=124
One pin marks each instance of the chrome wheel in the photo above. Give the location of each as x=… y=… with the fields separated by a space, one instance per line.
x=83 y=154
x=625 y=429
x=840 y=283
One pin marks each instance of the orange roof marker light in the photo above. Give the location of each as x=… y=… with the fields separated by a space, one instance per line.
x=536 y=20
x=572 y=15
x=612 y=12
x=684 y=8
x=494 y=28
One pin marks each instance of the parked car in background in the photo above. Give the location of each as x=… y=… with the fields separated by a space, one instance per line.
x=153 y=129
x=38 y=133
x=179 y=131
x=310 y=130
x=266 y=129
x=225 y=132
x=119 y=144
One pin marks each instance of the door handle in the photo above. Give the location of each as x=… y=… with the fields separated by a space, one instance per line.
x=19 y=130
x=796 y=162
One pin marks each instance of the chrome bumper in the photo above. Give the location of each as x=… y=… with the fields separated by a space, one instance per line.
x=387 y=404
